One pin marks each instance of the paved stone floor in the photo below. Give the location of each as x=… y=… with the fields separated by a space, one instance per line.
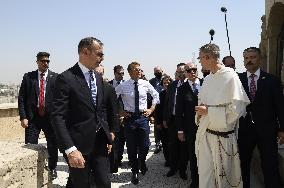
x=154 y=178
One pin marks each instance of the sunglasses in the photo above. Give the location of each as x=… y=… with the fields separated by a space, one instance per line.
x=44 y=61
x=189 y=70
x=100 y=54
x=120 y=73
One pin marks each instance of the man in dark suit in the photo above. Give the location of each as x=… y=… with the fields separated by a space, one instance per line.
x=84 y=117
x=116 y=154
x=178 y=153
x=264 y=119
x=34 y=102
x=186 y=101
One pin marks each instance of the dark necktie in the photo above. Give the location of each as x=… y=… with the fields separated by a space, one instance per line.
x=41 y=96
x=252 y=86
x=117 y=83
x=136 y=93
x=194 y=88
x=93 y=87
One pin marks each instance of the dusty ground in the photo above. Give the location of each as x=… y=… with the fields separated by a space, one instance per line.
x=11 y=130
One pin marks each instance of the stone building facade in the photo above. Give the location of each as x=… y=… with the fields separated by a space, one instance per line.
x=272 y=38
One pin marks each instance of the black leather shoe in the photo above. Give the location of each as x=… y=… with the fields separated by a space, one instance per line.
x=183 y=175
x=143 y=168
x=53 y=174
x=134 y=178
x=193 y=185
x=171 y=173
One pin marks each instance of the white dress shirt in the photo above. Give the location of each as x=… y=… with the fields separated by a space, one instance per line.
x=114 y=82
x=126 y=91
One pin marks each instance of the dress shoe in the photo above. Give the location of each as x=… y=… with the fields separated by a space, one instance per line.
x=143 y=168
x=53 y=174
x=171 y=173
x=193 y=185
x=183 y=175
x=135 y=179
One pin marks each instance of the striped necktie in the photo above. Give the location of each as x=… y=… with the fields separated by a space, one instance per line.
x=93 y=86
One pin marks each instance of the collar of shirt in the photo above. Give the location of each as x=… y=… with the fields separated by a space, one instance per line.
x=132 y=81
x=257 y=73
x=197 y=82
x=86 y=73
x=45 y=74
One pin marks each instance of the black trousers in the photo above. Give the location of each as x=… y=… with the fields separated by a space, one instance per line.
x=96 y=171
x=190 y=140
x=165 y=143
x=32 y=134
x=266 y=143
x=178 y=150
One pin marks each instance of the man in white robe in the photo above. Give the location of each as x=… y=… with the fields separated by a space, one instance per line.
x=222 y=101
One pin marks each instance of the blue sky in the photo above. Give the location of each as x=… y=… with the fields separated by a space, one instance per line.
x=152 y=32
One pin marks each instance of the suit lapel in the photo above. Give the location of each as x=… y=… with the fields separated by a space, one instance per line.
x=244 y=80
x=48 y=77
x=260 y=82
x=83 y=83
x=36 y=83
x=99 y=83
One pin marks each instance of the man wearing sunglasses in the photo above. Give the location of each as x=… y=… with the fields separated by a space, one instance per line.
x=187 y=97
x=116 y=154
x=35 y=97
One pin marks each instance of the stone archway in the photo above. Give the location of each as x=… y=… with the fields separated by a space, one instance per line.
x=274 y=32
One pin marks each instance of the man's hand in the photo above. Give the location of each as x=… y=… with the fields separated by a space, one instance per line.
x=124 y=114
x=201 y=110
x=151 y=119
x=112 y=136
x=147 y=112
x=181 y=137
x=109 y=147
x=76 y=159
x=165 y=124
x=280 y=135
x=24 y=123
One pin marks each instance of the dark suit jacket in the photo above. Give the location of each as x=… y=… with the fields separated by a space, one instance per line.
x=169 y=101
x=266 y=111
x=159 y=108
x=29 y=92
x=185 y=109
x=75 y=117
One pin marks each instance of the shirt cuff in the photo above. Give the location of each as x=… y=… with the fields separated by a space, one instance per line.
x=180 y=131
x=69 y=150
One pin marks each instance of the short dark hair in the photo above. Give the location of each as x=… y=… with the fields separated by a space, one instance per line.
x=87 y=43
x=211 y=49
x=134 y=63
x=166 y=77
x=117 y=68
x=42 y=54
x=252 y=49
x=224 y=58
x=180 y=64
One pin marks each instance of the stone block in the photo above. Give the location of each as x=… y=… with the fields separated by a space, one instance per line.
x=23 y=166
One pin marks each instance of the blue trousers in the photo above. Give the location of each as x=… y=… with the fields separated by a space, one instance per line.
x=137 y=132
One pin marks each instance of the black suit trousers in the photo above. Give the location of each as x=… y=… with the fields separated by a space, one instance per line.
x=178 y=150
x=267 y=146
x=96 y=171
x=32 y=134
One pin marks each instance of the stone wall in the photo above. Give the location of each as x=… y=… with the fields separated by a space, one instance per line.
x=23 y=166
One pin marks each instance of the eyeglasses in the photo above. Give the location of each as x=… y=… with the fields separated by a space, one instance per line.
x=189 y=70
x=120 y=73
x=199 y=58
x=44 y=61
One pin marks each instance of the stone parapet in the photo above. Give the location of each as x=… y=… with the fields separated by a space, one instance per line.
x=23 y=166
x=9 y=110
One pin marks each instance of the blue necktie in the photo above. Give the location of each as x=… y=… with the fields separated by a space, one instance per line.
x=93 y=87
x=136 y=93
x=194 y=88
